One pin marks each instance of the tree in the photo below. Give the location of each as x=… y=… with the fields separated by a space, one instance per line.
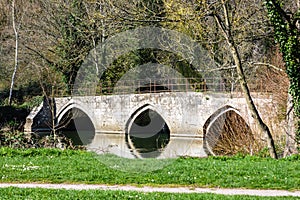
x=72 y=29
x=60 y=38
x=249 y=28
x=16 y=24
x=235 y=35
x=224 y=23
x=14 y=59
x=287 y=34
x=16 y=28
x=4 y=19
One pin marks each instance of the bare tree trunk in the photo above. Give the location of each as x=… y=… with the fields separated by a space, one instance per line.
x=226 y=29
x=53 y=113
x=261 y=125
x=291 y=144
x=16 y=52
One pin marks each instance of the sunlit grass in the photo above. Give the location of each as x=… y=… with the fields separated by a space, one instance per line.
x=21 y=193
x=58 y=166
x=133 y=165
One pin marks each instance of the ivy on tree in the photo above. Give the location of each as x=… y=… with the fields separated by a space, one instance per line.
x=287 y=34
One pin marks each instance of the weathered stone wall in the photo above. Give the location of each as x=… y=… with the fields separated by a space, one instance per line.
x=184 y=112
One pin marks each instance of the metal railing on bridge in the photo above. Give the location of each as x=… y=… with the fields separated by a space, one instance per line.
x=161 y=85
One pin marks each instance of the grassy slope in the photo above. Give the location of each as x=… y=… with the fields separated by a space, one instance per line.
x=56 y=166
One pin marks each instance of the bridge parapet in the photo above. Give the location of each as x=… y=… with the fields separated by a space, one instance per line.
x=207 y=85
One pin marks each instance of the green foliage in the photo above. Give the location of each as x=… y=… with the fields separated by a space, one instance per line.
x=287 y=36
x=12 y=120
x=136 y=58
x=9 y=137
x=75 y=42
x=16 y=139
x=33 y=102
x=28 y=94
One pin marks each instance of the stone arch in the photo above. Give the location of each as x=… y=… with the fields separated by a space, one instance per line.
x=69 y=106
x=75 y=123
x=226 y=132
x=147 y=133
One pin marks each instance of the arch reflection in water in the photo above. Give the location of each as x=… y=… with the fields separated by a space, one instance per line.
x=77 y=126
x=148 y=134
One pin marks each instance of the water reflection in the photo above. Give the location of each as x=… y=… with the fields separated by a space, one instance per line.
x=78 y=127
x=148 y=134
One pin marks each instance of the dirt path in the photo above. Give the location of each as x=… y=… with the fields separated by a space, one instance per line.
x=155 y=189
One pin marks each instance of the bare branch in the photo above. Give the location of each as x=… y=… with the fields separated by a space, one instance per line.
x=268 y=65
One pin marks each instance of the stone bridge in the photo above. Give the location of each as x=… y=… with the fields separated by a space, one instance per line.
x=121 y=124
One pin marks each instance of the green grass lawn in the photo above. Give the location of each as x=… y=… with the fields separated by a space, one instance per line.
x=21 y=193
x=58 y=166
